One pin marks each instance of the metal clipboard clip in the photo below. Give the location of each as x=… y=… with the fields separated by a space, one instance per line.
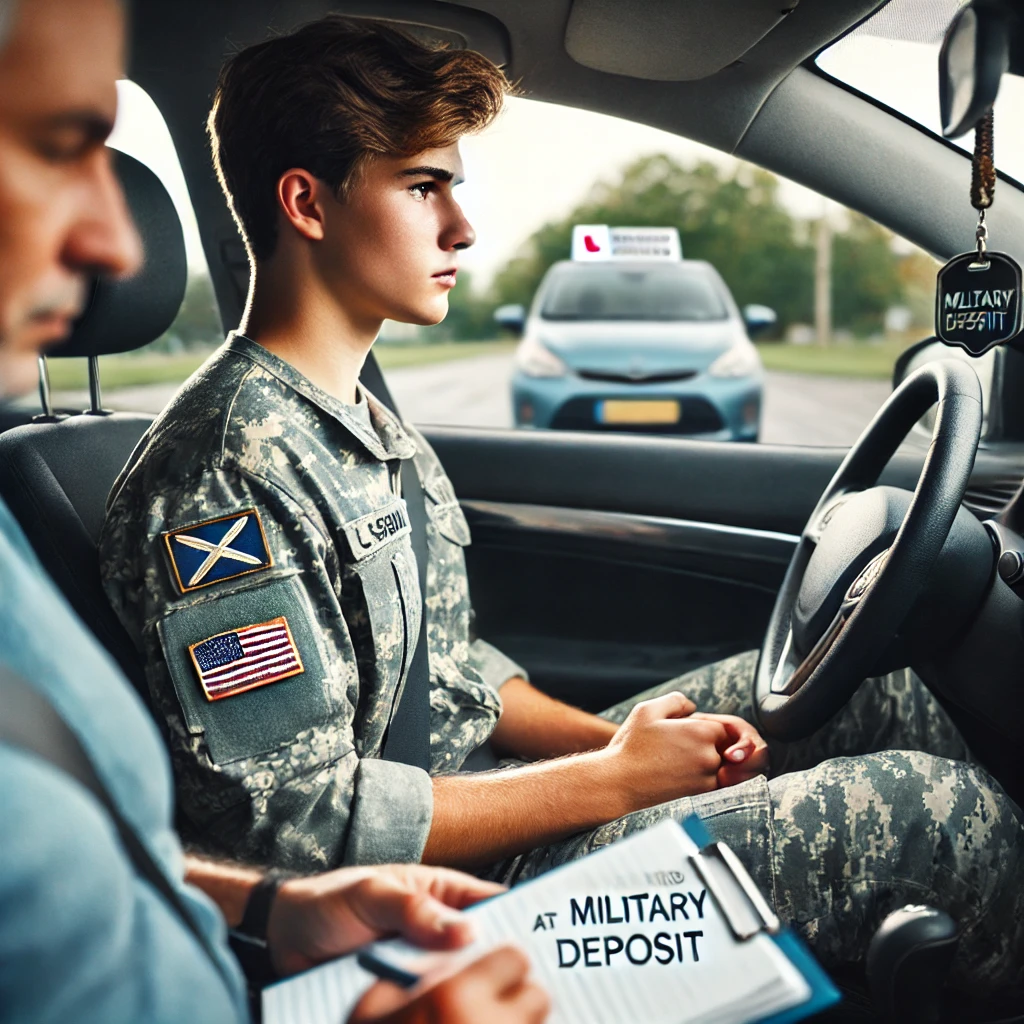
x=744 y=908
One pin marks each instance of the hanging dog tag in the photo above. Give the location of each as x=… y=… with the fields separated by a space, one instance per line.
x=978 y=301
x=978 y=294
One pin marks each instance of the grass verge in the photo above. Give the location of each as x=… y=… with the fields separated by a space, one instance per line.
x=392 y=357
x=138 y=369
x=852 y=359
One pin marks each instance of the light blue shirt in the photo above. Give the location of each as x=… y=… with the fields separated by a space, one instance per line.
x=82 y=937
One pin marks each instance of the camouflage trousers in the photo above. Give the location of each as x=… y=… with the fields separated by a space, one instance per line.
x=879 y=809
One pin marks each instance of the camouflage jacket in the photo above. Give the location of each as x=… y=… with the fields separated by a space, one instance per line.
x=257 y=550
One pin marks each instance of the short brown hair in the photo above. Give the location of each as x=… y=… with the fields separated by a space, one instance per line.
x=329 y=97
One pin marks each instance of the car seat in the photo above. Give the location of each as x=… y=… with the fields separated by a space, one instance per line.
x=56 y=472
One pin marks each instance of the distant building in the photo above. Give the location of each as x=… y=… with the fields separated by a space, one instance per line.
x=800 y=334
x=898 y=319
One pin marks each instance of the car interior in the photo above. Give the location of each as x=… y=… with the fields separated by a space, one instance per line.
x=607 y=563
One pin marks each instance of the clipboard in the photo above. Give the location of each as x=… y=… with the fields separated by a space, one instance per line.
x=748 y=913
x=745 y=912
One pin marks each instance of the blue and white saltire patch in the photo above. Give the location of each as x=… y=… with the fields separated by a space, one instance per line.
x=242 y=659
x=218 y=549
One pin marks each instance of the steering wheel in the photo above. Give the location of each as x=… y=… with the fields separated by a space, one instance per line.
x=865 y=555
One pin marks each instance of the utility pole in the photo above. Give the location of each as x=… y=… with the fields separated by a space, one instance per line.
x=823 y=278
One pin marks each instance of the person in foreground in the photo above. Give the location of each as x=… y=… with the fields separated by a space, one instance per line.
x=82 y=936
x=257 y=549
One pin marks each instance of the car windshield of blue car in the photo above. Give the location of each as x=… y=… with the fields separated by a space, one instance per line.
x=595 y=292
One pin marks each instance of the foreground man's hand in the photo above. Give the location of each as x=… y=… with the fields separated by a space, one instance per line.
x=325 y=916
x=661 y=752
x=495 y=989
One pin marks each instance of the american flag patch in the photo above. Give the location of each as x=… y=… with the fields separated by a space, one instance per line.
x=242 y=659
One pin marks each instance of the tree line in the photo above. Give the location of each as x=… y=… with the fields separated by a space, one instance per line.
x=736 y=221
x=733 y=219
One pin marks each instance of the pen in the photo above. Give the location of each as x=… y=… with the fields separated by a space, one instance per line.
x=370 y=961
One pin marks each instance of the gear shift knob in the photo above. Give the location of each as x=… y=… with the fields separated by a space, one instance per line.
x=912 y=948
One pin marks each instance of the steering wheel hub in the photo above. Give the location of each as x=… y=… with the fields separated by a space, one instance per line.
x=864 y=525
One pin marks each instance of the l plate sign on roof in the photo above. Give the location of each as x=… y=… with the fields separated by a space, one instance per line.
x=600 y=242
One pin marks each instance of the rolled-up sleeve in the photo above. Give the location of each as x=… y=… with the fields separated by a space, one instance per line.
x=493 y=666
x=391 y=813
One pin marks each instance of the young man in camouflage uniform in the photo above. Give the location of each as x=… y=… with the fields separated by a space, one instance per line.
x=85 y=933
x=258 y=550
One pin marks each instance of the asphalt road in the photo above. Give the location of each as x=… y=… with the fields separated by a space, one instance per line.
x=474 y=392
x=798 y=409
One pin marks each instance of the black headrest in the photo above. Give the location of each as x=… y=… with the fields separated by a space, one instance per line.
x=130 y=312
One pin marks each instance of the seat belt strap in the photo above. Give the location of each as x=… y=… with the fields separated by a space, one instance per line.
x=409 y=740
x=373 y=380
x=30 y=723
x=408 y=736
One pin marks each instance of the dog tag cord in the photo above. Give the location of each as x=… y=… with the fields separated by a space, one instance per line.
x=978 y=294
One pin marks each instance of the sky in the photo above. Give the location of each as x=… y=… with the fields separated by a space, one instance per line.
x=539 y=160
x=903 y=74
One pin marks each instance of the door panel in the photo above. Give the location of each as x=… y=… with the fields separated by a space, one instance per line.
x=608 y=564
x=601 y=605
x=765 y=487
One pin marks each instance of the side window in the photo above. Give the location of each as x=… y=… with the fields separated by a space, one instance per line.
x=144 y=380
x=817 y=301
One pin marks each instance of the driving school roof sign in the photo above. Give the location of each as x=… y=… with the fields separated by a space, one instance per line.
x=600 y=242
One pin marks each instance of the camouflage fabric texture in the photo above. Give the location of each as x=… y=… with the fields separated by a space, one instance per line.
x=289 y=773
x=879 y=809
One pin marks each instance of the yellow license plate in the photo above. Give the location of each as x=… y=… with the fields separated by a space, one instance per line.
x=611 y=411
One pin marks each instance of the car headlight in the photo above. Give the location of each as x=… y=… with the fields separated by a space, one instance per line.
x=741 y=360
x=536 y=360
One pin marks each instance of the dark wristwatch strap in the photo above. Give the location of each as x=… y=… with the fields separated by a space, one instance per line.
x=257 y=910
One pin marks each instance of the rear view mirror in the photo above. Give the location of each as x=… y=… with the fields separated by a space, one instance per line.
x=758 y=319
x=974 y=55
x=512 y=317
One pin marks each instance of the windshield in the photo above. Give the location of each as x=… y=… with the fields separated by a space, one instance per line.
x=893 y=57
x=632 y=293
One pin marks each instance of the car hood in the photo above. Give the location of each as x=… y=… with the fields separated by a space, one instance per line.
x=631 y=346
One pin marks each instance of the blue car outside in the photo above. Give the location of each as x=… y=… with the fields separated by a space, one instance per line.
x=657 y=347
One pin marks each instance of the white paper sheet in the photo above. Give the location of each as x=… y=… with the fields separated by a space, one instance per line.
x=629 y=933
x=324 y=995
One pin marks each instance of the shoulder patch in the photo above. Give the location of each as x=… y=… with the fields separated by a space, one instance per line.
x=218 y=549
x=241 y=659
x=369 y=533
